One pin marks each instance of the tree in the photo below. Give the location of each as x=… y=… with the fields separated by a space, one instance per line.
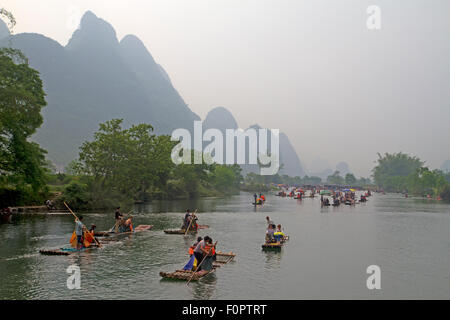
x=392 y=170
x=335 y=178
x=126 y=162
x=22 y=163
x=424 y=181
x=350 y=179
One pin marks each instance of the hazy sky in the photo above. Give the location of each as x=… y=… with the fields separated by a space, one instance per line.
x=310 y=68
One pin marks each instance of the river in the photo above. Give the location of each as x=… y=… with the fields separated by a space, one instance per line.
x=326 y=257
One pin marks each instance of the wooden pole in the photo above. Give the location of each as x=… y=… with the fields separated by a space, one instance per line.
x=192 y=219
x=79 y=219
x=198 y=266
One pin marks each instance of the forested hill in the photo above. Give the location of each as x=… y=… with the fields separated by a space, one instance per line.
x=96 y=78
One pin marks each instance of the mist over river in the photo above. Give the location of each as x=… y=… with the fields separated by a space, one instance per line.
x=326 y=257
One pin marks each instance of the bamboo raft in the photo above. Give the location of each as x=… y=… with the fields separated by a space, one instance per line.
x=275 y=245
x=272 y=246
x=139 y=228
x=222 y=258
x=69 y=251
x=183 y=231
x=185 y=274
x=64 y=251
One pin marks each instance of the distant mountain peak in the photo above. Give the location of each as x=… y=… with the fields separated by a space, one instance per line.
x=132 y=39
x=92 y=31
x=220 y=118
x=134 y=46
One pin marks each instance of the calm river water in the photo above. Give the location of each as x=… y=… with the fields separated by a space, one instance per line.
x=326 y=258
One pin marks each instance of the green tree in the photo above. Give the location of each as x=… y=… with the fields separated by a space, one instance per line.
x=22 y=163
x=392 y=170
x=126 y=163
x=350 y=179
x=335 y=178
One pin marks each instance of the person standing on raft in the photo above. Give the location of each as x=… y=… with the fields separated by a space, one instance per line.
x=203 y=248
x=118 y=217
x=186 y=219
x=79 y=231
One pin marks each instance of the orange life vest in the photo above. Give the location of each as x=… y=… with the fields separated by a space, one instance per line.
x=210 y=249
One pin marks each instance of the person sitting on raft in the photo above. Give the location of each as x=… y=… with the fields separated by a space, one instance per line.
x=128 y=225
x=279 y=235
x=89 y=237
x=336 y=201
x=192 y=263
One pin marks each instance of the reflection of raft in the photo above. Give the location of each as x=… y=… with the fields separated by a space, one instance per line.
x=182 y=231
x=257 y=203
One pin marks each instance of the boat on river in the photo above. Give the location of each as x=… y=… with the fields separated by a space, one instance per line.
x=66 y=251
x=222 y=258
x=139 y=228
x=275 y=246
x=186 y=274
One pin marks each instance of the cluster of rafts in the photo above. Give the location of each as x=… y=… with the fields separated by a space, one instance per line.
x=105 y=237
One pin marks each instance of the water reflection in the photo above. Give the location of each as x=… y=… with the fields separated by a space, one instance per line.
x=273 y=259
x=204 y=289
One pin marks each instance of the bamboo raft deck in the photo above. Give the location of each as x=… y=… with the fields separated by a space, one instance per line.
x=183 y=231
x=222 y=258
x=139 y=228
x=64 y=251
x=272 y=246
x=185 y=274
